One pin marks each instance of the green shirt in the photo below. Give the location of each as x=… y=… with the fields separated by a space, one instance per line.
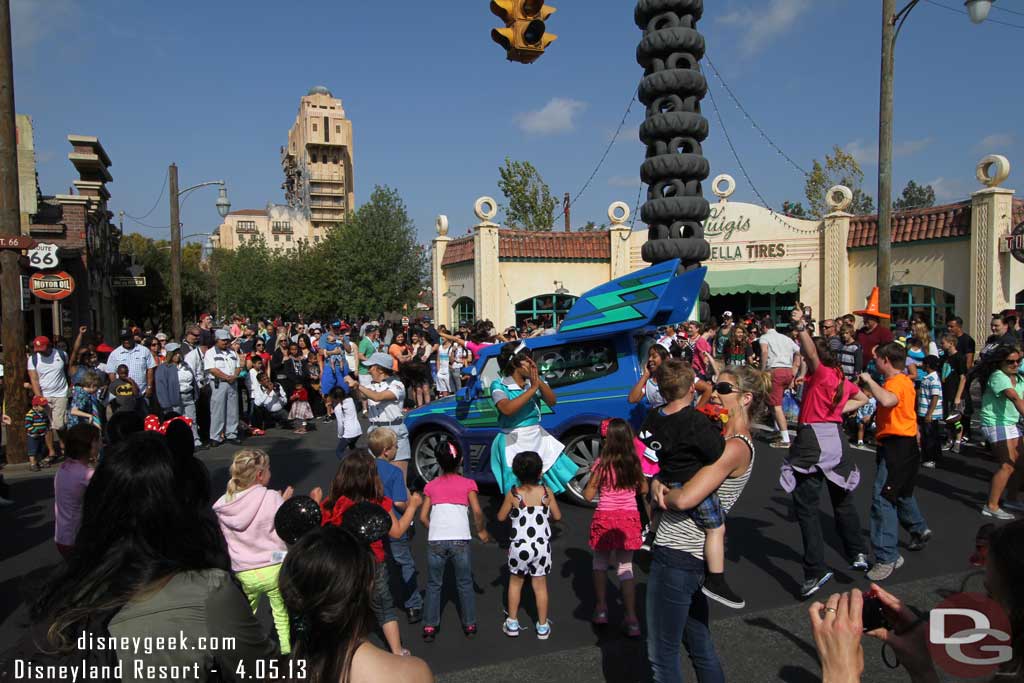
x=366 y=349
x=996 y=409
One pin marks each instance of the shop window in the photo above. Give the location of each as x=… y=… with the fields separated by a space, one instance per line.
x=465 y=311
x=776 y=306
x=932 y=305
x=550 y=309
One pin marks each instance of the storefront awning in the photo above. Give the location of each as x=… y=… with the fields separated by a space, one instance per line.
x=754 y=281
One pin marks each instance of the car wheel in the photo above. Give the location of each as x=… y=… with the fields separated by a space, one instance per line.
x=424 y=453
x=583 y=449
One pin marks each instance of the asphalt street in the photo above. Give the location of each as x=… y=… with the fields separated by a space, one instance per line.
x=769 y=640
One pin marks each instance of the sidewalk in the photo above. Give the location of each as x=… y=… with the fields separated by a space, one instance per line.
x=772 y=645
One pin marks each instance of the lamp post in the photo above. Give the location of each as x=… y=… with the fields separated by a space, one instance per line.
x=223 y=207
x=892 y=22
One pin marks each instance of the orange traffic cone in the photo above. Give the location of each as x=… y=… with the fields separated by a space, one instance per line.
x=872 y=309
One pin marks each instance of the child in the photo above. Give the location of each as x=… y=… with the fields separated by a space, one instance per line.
x=123 y=392
x=615 y=527
x=346 y=417
x=300 y=409
x=865 y=416
x=954 y=381
x=357 y=481
x=81 y=449
x=850 y=354
x=85 y=406
x=446 y=501
x=929 y=411
x=246 y=516
x=37 y=425
x=530 y=506
x=684 y=441
x=383 y=445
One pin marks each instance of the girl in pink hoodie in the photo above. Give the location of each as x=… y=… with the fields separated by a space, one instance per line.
x=246 y=515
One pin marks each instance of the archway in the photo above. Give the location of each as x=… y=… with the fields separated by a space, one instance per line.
x=463 y=312
x=935 y=306
x=549 y=309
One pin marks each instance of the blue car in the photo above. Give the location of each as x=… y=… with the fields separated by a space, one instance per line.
x=591 y=363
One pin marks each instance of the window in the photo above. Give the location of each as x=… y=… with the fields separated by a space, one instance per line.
x=548 y=308
x=934 y=306
x=314 y=127
x=277 y=238
x=327 y=129
x=287 y=238
x=337 y=129
x=577 y=362
x=281 y=227
x=246 y=226
x=488 y=374
x=316 y=238
x=465 y=311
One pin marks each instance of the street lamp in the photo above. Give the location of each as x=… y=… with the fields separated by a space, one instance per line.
x=560 y=289
x=223 y=207
x=892 y=23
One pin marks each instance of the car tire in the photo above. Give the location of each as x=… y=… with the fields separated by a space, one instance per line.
x=423 y=452
x=582 y=447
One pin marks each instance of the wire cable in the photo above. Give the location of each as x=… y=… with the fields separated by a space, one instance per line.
x=962 y=12
x=156 y=203
x=608 y=149
x=1009 y=11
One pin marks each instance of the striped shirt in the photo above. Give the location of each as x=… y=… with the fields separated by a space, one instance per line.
x=678 y=531
x=36 y=423
x=930 y=386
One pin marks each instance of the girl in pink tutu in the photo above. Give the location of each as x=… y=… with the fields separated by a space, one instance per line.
x=615 y=529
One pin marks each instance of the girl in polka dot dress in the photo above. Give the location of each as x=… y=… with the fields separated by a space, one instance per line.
x=530 y=507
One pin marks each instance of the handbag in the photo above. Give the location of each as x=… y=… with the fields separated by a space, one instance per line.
x=790 y=407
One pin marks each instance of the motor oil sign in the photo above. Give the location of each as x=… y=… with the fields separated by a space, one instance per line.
x=51 y=286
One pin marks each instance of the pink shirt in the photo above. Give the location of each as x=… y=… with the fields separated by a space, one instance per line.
x=614 y=498
x=819 y=390
x=475 y=347
x=69 y=491
x=449 y=505
x=700 y=347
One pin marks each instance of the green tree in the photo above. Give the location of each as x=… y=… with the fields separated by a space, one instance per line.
x=246 y=279
x=530 y=205
x=915 y=197
x=839 y=169
x=794 y=209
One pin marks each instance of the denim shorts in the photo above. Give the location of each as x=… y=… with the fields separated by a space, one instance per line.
x=382 y=603
x=36 y=446
x=708 y=514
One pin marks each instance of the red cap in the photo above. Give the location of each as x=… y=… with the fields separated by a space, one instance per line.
x=39 y=401
x=40 y=343
x=104 y=348
x=204 y=316
x=343 y=326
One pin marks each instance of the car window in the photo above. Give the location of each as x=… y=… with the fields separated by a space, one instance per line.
x=488 y=375
x=577 y=362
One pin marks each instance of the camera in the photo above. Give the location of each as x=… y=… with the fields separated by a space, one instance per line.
x=873 y=614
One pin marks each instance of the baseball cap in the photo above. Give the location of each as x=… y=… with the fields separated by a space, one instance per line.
x=222 y=334
x=382 y=359
x=336 y=323
x=343 y=326
x=727 y=314
x=125 y=334
x=40 y=343
x=371 y=328
x=204 y=316
x=161 y=336
x=172 y=347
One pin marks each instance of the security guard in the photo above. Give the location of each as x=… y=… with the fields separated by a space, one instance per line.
x=222 y=370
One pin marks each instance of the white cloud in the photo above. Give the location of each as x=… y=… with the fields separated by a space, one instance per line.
x=557 y=116
x=996 y=142
x=866 y=153
x=627 y=134
x=762 y=25
x=33 y=20
x=948 y=190
x=625 y=181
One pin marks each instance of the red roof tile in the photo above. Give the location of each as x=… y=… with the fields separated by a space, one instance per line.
x=249 y=212
x=937 y=222
x=555 y=246
x=458 y=251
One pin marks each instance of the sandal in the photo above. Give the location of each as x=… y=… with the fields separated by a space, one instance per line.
x=632 y=629
x=34 y=467
x=600 y=617
x=470 y=630
x=429 y=633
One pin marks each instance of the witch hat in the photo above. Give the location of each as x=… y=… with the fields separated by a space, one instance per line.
x=872 y=309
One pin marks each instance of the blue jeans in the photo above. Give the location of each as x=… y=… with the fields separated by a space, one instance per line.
x=402 y=555
x=677 y=612
x=438 y=554
x=886 y=518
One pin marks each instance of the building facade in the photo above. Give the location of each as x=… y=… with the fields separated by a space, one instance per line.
x=318 y=161
x=281 y=227
x=955 y=259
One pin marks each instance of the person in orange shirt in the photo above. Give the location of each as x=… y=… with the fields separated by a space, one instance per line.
x=898 y=460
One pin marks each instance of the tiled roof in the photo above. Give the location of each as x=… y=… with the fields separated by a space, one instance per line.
x=249 y=212
x=528 y=244
x=937 y=222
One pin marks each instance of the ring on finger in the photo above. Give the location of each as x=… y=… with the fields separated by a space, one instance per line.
x=831 y=609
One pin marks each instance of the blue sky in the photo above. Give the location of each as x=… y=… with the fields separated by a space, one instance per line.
x=214 y=86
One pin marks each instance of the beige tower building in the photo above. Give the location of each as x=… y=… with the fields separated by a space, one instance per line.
x=317 y=161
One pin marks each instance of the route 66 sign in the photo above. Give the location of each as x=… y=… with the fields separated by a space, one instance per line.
x=43 y=256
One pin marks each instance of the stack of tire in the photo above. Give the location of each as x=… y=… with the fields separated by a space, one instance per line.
x=673 y=131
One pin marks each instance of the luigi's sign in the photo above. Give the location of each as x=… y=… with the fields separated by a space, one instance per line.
x=51 y=286
x=1015 y=242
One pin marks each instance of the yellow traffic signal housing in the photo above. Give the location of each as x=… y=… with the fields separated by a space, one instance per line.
x=525 y=36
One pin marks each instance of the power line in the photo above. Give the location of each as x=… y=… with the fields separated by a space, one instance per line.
x=1009 y=11
x=155 y=204
x=987 y=21
x=146 y=225
x=608 y=149
x=636 y=208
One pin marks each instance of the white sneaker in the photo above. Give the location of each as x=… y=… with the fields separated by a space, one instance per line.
x=998 y=513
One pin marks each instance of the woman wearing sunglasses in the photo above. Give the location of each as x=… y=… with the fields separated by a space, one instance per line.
x=1002 y=407
x=820 y=453
x=677 y=610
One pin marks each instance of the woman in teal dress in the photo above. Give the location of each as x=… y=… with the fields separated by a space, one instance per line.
x=517 y=396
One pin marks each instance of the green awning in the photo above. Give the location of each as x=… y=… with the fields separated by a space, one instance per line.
x=754 y=281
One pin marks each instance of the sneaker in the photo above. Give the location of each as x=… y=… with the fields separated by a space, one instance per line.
x=956 y=446
x=718 y=590
x=544 y=630
x=860 y=562
x=632 y=629
x=511 y=628
x=34 y=467
x=948 y=446
x=919 y=541
x=328 y=418
x=780 y=444
x=470 y=630
x=429 y=633
x=929 y=464
x=812 y=586
x=600 y=617
x=998 y=513
x=883 y=570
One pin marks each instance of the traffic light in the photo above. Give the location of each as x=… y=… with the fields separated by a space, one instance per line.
x=524 y=36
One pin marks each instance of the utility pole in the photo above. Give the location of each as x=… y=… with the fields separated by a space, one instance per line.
x=13 y=335
x=566 y=206
x=172 y=187
x=885 y=113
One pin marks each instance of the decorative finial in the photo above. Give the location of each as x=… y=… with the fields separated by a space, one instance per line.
x=442 y=225
x=838 y=198
x=730 y=186
x=618 y=213
x=485 y=209
x=993 y=170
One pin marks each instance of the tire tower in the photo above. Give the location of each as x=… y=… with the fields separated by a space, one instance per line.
x=673 y=131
